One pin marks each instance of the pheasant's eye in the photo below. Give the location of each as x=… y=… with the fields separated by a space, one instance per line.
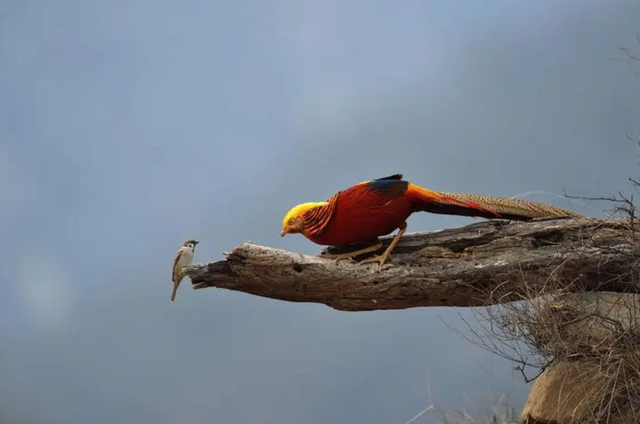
x=291 y=221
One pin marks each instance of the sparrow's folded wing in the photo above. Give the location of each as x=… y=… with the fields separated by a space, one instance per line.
x=175 y=269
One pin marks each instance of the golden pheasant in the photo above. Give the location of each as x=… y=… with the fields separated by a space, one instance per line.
x=368 y=210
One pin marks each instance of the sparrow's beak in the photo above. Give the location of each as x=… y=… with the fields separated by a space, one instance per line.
x=195 y=242
x=284 y=232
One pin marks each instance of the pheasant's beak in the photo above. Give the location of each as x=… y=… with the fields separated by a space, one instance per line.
x=284 y=232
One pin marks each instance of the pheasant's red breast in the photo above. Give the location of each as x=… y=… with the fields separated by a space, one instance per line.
x=365 y=212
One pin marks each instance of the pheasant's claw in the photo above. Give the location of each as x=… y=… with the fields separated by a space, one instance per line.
x=345 y=258
x=337 y=257
x=380 y=260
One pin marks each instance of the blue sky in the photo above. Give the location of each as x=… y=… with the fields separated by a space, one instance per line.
x=127 y=127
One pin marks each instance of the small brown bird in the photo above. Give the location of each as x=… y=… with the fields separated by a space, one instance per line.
x=183 y=258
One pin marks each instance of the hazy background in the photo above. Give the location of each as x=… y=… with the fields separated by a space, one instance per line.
x=129 y=126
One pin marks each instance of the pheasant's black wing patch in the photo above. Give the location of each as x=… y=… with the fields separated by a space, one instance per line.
x=390 y=177
x=389 y=188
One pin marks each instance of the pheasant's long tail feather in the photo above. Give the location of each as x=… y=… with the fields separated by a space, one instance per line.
x=515 y=209
x=485 y=206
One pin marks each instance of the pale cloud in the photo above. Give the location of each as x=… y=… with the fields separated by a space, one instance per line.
x=13 y=185
x=138 y=124
x=7 y=184
x=17 y=188
x=46 y=292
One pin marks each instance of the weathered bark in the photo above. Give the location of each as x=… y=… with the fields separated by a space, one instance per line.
x=483 y=263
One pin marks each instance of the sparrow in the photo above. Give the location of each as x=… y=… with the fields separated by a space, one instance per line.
x=183 y=258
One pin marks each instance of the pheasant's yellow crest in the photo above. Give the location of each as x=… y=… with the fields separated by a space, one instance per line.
x=298 y=210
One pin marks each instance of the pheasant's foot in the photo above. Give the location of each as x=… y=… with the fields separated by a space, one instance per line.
x=337 y=257
x=348 y=258
x=380 y=260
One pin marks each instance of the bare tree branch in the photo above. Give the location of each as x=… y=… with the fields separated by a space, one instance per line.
x=489 y=262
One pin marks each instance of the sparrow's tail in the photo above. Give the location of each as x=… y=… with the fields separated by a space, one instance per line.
x=485 y=206
x=176 y=283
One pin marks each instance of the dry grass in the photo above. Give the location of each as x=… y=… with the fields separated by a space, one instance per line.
x=501 y=412
x=587 y=344
x=589 y=340
x=583 y=347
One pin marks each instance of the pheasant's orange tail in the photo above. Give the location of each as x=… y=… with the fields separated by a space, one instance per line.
x=485 y=206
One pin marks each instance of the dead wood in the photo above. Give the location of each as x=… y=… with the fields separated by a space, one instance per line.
x=489 y=262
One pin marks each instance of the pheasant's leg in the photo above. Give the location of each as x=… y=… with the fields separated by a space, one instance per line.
x=350 y=255
x=381 y=259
